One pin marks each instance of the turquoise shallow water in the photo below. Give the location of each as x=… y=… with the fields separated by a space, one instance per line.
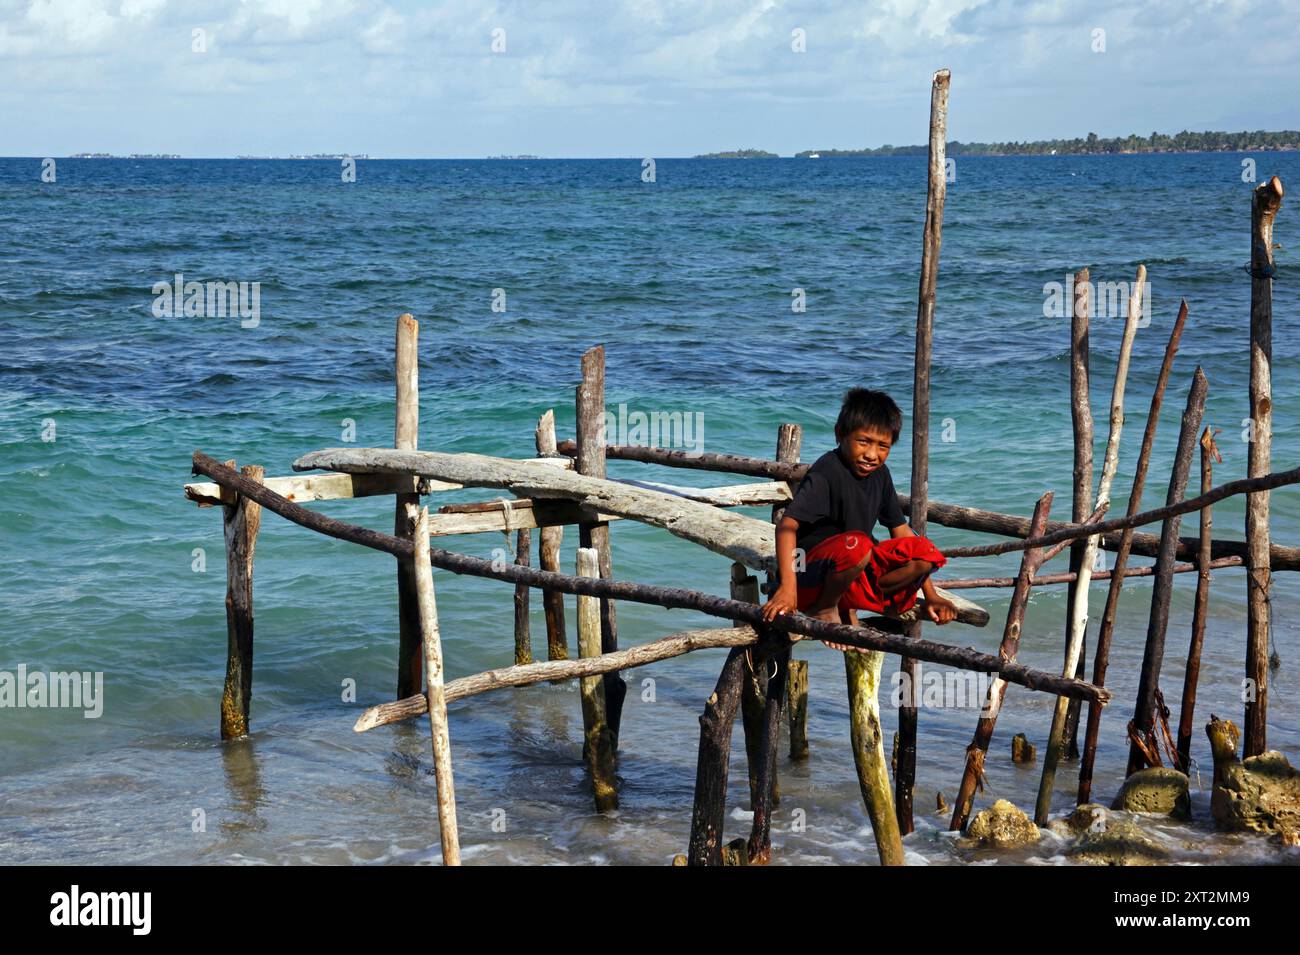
x=687 y=281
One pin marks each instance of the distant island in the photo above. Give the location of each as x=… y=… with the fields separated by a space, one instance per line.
x=740 y=154
x=525 y=156
x=1092 y=144
x=131 y=156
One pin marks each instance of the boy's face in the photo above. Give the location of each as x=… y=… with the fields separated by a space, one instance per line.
x=865 y=449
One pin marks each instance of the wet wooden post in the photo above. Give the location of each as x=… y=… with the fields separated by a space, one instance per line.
x=523 y=639
x=1265 y=202
x=406 y=437
x=1144 y=716
x=597 y=737
x=590 y=460
x=548 y=554
x=431 y=641
x=789 y=444
x=709 y=808
x=919 y=490
x=1107 y=630
x=240 y=523
x=1191 y=676
x=862 y=672
x=759 y=847
x=973 y=774
x=753 y=696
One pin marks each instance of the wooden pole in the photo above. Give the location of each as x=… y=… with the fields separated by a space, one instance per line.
x=709 y=809
x=975 y=583
x=767 y=791
x=598 y=740
x=1191 y=676
x=523 y=639
x=406 y=437
x=1153 y=655
x=973 y=774
x=959 y=517
x=789 y=444
x=1265 y=203
x=422 y=581
x=590 y=412
x=862 y=671
x=753 y=694
x=936 y=192
x=548 y=554
x=241 y=522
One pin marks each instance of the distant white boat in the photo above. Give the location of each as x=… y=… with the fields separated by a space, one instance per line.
x=814 y=155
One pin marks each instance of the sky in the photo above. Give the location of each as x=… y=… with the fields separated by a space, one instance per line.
x=628 y=78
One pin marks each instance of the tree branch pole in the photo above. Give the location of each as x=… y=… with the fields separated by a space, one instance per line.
x=981 y=583
x=789 y=443
x=1081 y=422
x=670 y=597
x=523 y=638
x=753 y=695
x=862 y=672
x=1162 y=590
x=590 y=461
x=709 y=808
x=959 y=517
x=548 y=554
x=1265 y=203
x=436 y=704
x=240 y=524
x=1102 y=659
x=1192 y=675
x=598 y=739
x=932 y=239
x=406 y=433
x=1079 y=605
x=973 y=774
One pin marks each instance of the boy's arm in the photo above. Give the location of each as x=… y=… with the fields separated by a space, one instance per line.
x=787 y=593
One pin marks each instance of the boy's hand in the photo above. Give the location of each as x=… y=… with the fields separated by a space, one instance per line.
x=941 y=610
x=785 y=600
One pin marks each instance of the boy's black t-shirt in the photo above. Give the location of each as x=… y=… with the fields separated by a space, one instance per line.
x=831 y=499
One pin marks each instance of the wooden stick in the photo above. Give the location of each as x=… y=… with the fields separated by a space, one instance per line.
x=599 y=740
x=932 y=239
x=767 y=789
x=523 y=639
x=959 y=517
x=557 y=670
x=1191 y=676
x=672 y=597
x=979 y=583
x=709 y=808
x=1265 y=203
x=789 y=444
x=862 y=671
x=1119 y=571
x=422 y=574
x=590 y=461
x=1153 y=655
x=973 y=774
x=406 y=437
x=753 y=694
x=548 y=554
x=241 y=523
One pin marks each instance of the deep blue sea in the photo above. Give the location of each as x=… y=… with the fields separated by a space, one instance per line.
x=688 y=282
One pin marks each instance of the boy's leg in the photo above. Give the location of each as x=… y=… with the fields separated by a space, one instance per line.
x=911 y=574
x=827 y=605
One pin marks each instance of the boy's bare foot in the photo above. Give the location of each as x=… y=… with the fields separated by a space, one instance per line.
x=835 y=615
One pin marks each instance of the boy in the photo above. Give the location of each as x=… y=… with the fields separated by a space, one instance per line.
x=830 y=519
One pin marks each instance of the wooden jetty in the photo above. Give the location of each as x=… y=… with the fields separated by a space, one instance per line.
x=567 y=485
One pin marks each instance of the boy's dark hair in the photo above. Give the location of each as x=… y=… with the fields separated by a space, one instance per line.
x=867 y=408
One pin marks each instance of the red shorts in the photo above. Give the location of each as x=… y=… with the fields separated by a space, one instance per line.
x=846 y=550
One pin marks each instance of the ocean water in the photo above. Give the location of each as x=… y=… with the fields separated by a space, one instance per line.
x=687 y=281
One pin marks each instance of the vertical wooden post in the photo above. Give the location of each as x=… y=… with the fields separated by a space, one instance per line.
x=919 y=490
x=548 y=554
x=710 y=804
x=599 y=741
x=240 y=523
x=1153 y=655
x=759 y=847
x=1102 y=658
x=789 y=443
x=590 y=460
x=862 y=671
x=431 y=640
x=406 y=438
x=973 y=774
x=1209 y=454
x=753 y=697
x=1265 y=202
x=523 y=639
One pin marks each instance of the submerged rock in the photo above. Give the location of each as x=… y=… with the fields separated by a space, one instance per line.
x=1002 y=826
x=1110 y=840
x=1159 y=789
x=1022 y=751
x=1258 y=794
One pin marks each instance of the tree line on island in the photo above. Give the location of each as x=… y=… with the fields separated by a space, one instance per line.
x=1092 y=144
